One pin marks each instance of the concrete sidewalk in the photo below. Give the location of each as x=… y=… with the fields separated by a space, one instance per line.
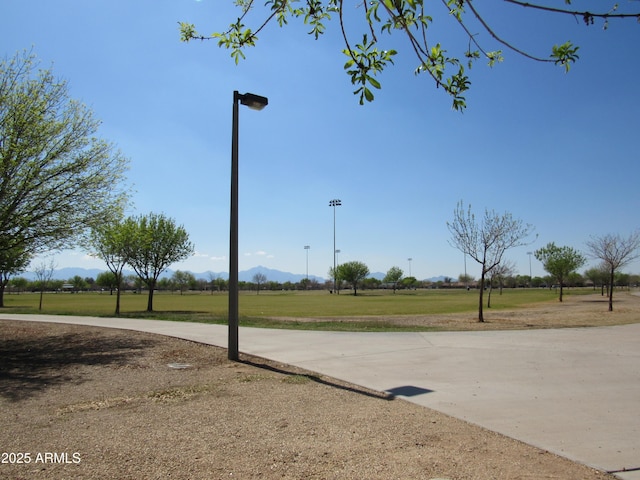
x=574 y=392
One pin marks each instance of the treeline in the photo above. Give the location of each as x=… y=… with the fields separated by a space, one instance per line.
x=181 y=282
x=595 y=279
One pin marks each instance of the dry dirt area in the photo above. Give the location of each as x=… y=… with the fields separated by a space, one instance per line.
x=83 y=403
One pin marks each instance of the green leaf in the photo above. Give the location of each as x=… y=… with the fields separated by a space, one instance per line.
x=368 y=95
x=374 y=82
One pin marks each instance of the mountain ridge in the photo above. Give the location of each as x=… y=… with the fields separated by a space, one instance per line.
x=271 y=274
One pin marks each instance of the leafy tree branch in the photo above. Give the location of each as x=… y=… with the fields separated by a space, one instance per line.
x=410 y=19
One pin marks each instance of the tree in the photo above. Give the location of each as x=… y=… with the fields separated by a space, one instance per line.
x=44 y=274
x=154 y=243
x=353 y=272
x=498 y=274
x=487 y=240
x=110 y=242
x=57 y=178
x=598 y=276
x=259 y=279
x=337 y=281
x=78 y=283
x=409 y=282
x=560 y=262
x=466 y=279
x=108 y=280
x=615 y=252
x=393 y=276
x=19 y=283
x=183 y=280
x=366 y=53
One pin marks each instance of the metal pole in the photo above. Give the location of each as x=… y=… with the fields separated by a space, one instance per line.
x=254 y=102
x=334 y=203
x=233 y=238
x=334 y=248
x=307 y=247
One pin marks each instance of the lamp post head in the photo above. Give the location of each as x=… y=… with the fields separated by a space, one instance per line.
x=251 y=100
x=335 y=202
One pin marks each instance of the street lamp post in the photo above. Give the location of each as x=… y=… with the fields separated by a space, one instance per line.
x=254 y=102
x=334 y=203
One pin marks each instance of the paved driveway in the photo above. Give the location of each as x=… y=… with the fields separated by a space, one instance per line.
x=574 y=392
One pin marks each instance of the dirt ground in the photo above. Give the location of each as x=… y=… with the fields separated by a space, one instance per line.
x=83 y=403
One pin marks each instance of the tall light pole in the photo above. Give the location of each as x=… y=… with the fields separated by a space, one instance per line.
x=307 y=247
x=254 y=102
x=409 y=260
x=334 y=203
x=530 y=277
x=336 y=286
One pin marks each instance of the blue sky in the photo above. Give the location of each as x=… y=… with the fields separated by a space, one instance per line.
x=559 y=151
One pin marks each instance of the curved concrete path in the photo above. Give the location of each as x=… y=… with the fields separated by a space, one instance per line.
x=574 y=392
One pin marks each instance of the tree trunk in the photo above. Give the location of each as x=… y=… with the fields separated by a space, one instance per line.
x=480 y=316
x=2 y=295
x=611 y=289
x=489 y=294
x=152 y=287
x=118 y=302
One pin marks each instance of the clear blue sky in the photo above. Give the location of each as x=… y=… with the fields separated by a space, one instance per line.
x=558 y=151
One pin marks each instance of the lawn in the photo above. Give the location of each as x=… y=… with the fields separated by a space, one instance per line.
x=268 y=309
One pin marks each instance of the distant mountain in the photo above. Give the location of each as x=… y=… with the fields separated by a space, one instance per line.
x=274 y=275
x=67 y=273
x=380 y=276
x=244 y=276
x=441 y=278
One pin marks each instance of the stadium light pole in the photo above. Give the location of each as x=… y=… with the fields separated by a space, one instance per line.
x=337 y=288
x=307 y=247
x=530 y=277
x=334 y=203
x=254 y=102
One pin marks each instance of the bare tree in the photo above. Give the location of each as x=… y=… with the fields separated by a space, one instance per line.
x=486 y=241
x=615 y=252
x=259 y=279
x=498 y=274
x=44 y=274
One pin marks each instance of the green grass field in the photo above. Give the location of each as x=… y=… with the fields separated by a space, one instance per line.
x=259 y=310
